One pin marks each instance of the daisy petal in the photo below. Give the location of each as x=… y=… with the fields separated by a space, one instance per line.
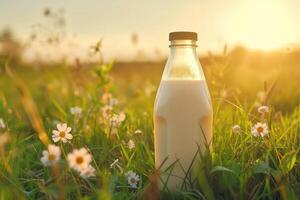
x=68 y=129
x=64 y=126
x=55 y=139
x=59 y=127
x=69 y=136
x=45 y=153
x=64 y=140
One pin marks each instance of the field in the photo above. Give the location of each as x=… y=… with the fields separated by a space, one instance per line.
x=108 y=107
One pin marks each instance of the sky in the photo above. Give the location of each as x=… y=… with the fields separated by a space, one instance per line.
x=256 y=24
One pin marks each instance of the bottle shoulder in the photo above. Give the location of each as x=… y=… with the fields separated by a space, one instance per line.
x=183 y=93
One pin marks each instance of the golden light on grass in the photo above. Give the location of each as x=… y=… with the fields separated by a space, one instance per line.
x=30 y=107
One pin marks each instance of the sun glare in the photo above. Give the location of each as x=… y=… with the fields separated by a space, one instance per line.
x=262 y=25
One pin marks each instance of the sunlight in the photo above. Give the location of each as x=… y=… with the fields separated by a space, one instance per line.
x=262 y=25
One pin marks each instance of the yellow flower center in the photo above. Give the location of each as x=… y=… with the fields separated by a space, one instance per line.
x=51 y=157
x=79 y=160
x=132 y=180
x=62 y=134
x=260 y=129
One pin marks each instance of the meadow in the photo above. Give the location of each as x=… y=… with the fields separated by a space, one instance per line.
x=107 y=109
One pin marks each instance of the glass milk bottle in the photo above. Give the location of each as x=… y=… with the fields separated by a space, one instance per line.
x=182 y=112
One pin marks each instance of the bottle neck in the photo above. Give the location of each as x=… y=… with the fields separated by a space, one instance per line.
x=183 y=43
x=183 y=61
x=184 y=50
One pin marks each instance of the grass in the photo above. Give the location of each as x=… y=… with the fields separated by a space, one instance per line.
x=239 y=166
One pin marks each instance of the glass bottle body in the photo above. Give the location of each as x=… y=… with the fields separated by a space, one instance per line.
x=182 y=114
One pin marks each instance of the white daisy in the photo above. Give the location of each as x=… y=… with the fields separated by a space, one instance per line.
x=79 y=159
x=2 y=124
x=236 y=129
x=260 y=129
x=51 y=156
x=132 y=179
x=131 y=144
x=263 y=109
x=88 y=172
x=62 y=133
x=75 y=110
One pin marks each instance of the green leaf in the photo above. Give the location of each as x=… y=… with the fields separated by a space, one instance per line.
x=220 y=169
x=288 y=161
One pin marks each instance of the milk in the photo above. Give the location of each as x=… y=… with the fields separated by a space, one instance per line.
x=182 y=123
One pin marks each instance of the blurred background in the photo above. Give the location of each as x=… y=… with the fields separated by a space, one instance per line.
x=249 y=49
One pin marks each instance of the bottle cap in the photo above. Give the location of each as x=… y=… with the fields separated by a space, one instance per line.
x=183 y=35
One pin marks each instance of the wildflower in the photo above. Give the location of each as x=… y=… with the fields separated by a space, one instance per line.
x=75 y=110
x=2 y=124
x=138 y=131
x=106 y=110
x=263 y=109
x=116 y=120
x=88 y=172
x=79 y=159
x=62 y=133
x=51 y=156
x=132 y=179
x=236 y=129
x=260 y=129
x=131 y=144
